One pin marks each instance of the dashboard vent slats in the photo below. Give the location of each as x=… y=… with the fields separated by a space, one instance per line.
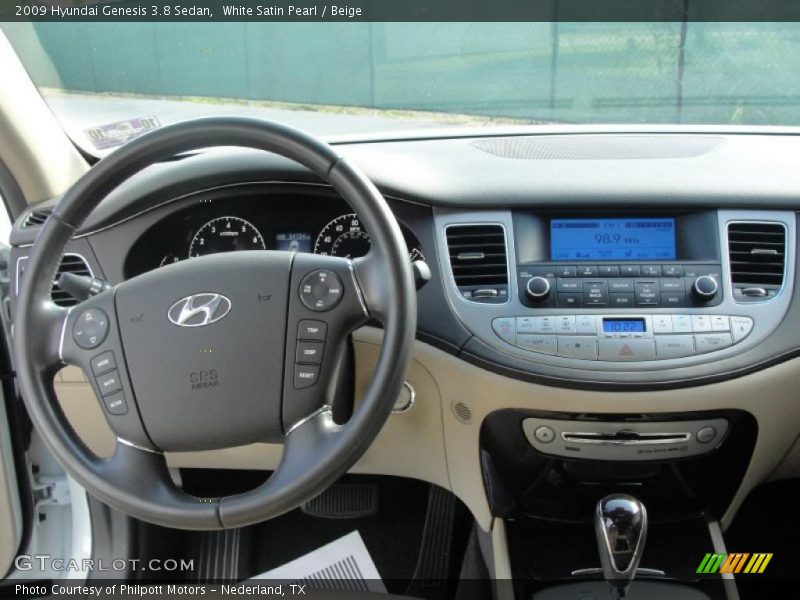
x=37 y=218
x=757 y=254
x=478 y=261
x=70 y=263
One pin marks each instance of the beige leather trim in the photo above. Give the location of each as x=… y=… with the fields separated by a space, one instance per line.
x=429 y=442
x=32 y=143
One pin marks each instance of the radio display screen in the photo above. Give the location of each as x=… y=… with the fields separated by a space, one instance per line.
x=612 y=239
x=623 y=326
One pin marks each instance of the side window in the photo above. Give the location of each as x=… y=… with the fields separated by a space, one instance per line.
x=5 y=222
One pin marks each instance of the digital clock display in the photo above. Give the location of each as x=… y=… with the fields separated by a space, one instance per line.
x=623 y=326
x=612 y=239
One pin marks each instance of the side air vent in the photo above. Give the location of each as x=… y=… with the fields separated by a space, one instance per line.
x=478 y=261
x=757 y=255
x=36 y=218
x=71 y=263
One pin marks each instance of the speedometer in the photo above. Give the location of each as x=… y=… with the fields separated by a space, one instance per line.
x=346 y=237
x=226 y=234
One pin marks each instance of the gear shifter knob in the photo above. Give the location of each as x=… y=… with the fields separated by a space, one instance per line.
x=620 y=525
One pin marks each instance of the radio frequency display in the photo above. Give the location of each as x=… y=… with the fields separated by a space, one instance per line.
x=612 y=239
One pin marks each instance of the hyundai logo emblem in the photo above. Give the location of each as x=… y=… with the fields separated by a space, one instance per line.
x=198 y=310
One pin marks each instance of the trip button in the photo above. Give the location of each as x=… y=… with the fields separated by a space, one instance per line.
x=108 y=383
x=308 y=329
x=626 y=350
x=309 y=352
x=115 y=403
x=305 y=376
x=546 y=344
x=103 y=362
x=708 y=342
x=90 y=328
x=577 y=347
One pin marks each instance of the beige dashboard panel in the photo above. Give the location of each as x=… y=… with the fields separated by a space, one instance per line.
x=432 y=443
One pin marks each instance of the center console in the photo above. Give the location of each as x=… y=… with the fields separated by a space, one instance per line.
x=616 y=291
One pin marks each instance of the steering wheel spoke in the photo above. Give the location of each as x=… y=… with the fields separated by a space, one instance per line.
x=90 y=340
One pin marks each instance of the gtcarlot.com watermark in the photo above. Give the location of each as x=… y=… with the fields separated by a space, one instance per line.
x=47 y=562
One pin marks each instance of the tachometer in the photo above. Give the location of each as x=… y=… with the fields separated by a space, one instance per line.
x=346 y=237
x=226 y=234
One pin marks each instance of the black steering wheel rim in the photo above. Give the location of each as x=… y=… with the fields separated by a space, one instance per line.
x=316 y=451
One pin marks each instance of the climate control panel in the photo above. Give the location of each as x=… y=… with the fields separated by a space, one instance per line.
x=619 y=286
x=630 y=338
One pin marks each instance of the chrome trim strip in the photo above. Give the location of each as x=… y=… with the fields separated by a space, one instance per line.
x=26 y=258
x=63 y=331
x=325 y=408
x=511 y=290
x=132 y=445
x=606 y=439
x=413 y=398
x=788 y=249
x=358 y=289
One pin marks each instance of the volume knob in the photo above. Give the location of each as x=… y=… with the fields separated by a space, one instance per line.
x=538 y=288
x=705 y=288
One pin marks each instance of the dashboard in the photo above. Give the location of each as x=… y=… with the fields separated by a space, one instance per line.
x=228 y=220
x=543 y=267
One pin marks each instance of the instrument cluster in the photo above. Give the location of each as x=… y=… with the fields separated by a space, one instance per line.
x=323 y=226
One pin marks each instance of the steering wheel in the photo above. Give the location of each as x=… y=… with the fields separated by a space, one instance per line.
x=218 y=351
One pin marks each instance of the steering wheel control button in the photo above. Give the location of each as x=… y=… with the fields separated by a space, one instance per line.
x=90 y=328
x=321 y=290
x=108 y=383
x=544 y=434
x=115 y=403
x=706 y=435
x=103 y=363
x=305 y=376
x=314 y=331
x=309 y=352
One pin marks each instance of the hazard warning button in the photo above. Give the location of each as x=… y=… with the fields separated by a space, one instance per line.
x=621 y=350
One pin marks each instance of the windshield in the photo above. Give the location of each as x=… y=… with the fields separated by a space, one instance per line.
x=107 y=82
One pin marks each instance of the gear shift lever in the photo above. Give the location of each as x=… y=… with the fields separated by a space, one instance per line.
x=620 y=525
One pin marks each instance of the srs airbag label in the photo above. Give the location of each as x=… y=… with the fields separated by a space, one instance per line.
x=201 y=380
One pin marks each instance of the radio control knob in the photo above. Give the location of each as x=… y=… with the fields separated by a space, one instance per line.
x=538 y=288
x=705 y=288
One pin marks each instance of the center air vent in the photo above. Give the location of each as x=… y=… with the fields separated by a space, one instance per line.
x=757 y=254
x=37 y=217
x=478 y=261
x=71 y=263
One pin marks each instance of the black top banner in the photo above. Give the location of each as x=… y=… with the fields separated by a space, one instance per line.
x=401 y=10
